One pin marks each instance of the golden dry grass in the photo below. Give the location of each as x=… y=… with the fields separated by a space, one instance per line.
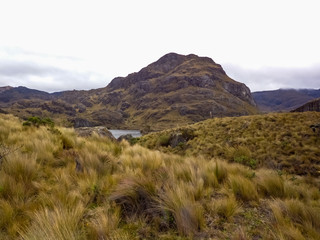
x=130 y=192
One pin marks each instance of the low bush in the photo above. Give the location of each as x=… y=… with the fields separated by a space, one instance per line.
x=37 y=122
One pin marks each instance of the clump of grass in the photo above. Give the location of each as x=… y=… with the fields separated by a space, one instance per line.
x=17 y=176
x=226 y=207
x=103 y=223
x=7 y=216
x=136 y=157
x=220 y=171
x=187 y=214
x=243 y=188
x=68 y=142
x=58 y=223
x=135 y=195
x=270 y=184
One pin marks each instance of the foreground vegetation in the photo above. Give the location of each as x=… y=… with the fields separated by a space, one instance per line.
x=55 y=185
x=281 y=141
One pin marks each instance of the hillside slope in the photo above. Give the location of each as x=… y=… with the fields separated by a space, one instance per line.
x=313 y=105
x=282 y=141
x=172 y=91
x=284 y=99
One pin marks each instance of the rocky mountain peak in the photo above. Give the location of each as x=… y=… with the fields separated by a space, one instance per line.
x=173 y=64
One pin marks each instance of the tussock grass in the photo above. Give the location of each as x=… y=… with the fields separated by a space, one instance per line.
x=135 y=195
x=103 y=222
x=243 y=188
x=294 y=218
x=187 y=214
x=58 y=223
x=226 y=207
x=130 y=192
x=270 y=184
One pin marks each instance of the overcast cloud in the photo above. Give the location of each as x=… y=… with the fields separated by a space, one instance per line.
x=64 y=45
x=271 y=78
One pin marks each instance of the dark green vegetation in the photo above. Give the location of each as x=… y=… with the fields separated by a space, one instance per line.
x=284 y=99
x=55 y=185
x=37 y=122
x=174 y=90
x=282 y=141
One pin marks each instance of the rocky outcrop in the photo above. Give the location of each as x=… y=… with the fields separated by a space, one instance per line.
x=127 y=137
x=89 y=131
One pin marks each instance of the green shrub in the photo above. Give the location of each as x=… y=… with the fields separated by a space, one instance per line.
x=37 y=122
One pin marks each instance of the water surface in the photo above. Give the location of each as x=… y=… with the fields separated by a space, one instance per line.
x=117 y=133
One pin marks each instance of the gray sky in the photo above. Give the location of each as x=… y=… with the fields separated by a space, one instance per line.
x=64 y=45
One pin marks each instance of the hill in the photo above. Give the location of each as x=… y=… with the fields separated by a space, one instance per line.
x=284 y=99
x=281 y=141
x=172 y=91
x=179 y=89
x=313 y=105
x=56 y=185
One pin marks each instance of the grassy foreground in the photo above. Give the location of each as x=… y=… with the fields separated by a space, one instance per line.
x=55 y=185
x=281 y=141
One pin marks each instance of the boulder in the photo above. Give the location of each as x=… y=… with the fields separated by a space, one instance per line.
x=100 y=131
x=127 y=137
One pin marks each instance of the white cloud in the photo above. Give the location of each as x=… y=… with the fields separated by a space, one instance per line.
x=114 y=38
x=271 y=78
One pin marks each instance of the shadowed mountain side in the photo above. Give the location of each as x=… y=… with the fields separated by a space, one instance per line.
x=313 y=105
x=284 y=99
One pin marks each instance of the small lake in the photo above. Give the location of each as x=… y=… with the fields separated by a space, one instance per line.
x=117 y=133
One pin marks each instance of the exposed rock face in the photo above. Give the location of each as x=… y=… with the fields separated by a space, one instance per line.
x=313 y=105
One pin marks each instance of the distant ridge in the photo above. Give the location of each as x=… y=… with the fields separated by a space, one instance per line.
x=284 y=99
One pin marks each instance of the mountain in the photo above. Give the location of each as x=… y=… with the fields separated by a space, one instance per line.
x=313 y=105
x=174 y=90
x=10 y=94
x=178 y=89
x=284 y=99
